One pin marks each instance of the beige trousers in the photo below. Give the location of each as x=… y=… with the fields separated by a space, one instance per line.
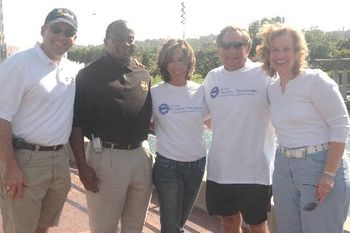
x=124 y=191
x=48 y=177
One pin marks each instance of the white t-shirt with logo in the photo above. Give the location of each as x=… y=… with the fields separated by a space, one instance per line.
x=178 y=115
x=243 y=141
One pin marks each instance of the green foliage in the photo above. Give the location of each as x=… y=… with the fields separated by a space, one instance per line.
x=321 y=44
x=255 y=27
x=326 y=45
x=344 y=53
x=343 y=45
x=85 y=54
x=207 y=58
x=156 y=79
x=196 y=78
x=204 y=48
x=148 y=57
x=318 y=44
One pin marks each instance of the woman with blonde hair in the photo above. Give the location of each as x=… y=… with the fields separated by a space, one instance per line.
x=311 y=180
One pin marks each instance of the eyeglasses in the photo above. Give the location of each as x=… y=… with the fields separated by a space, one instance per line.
x=121 y=39
x=235 y=44
x=67 y=32
x=310 y=206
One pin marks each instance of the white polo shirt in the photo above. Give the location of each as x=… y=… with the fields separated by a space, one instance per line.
x=37 y=96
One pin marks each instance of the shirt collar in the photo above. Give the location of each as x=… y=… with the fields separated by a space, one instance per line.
x=43 y=57
x=118 y=66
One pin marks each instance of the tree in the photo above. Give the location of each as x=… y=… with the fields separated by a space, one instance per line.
x=207 y=58
x=343 y=45
x=85 y=54
x=321 y=45
x=148 y=56
x=255 y=27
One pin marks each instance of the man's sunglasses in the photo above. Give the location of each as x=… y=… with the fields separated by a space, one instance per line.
x=235 y=44
x=67 y=33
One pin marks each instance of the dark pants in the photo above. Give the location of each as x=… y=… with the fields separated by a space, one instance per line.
x=177 y=184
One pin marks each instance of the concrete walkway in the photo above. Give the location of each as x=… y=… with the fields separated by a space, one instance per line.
x=74 y=217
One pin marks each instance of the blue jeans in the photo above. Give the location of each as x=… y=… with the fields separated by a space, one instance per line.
x=293 y=186
x=177 y=184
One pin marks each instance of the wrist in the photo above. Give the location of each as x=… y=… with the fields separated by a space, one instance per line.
x=329 y=173
x=10 y=163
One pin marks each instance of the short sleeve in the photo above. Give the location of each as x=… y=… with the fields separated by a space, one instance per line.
x=12 y=87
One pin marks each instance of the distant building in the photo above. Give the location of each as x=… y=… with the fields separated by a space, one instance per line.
x=10 y=50
x=7 y=50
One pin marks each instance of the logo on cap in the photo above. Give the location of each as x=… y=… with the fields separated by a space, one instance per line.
x=62 y=15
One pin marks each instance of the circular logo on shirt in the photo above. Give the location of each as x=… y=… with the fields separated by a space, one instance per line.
x=214 y=92
x=163 y=109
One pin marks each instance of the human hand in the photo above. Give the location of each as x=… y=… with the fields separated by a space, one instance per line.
x=13 y=181
x=89 y=179
x=137 y=64
x=325 y=186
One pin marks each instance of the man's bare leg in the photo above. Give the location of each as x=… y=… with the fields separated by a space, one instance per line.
x=231 y=224
x=259 y=228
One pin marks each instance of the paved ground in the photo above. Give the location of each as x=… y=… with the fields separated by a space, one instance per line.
x=74 y=217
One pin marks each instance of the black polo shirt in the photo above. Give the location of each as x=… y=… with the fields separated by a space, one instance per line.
x=113 y=102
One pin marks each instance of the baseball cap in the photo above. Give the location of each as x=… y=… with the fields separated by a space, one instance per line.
x=62 y=15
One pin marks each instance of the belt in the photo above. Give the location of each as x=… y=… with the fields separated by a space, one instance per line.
x=33 y=147
x=120 y=146
x=301 y=152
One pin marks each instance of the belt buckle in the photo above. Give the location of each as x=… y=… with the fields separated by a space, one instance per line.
x=289 y=153
x=300 y=154
x=295 y=153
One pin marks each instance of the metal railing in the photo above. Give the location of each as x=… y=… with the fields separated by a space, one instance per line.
x=339 y=69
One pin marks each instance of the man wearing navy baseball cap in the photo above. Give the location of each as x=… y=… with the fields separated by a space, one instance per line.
x=62 y=15
x=37 y=89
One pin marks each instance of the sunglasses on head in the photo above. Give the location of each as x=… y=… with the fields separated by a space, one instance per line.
x=235 y=44
x=67 y=32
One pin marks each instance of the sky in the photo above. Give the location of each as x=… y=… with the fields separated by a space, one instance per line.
x=154 y=19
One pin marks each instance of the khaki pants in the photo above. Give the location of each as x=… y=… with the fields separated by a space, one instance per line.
x=48 y=177
x=125 y=189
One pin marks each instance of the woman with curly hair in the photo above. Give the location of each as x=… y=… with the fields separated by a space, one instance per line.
x=311 y=180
